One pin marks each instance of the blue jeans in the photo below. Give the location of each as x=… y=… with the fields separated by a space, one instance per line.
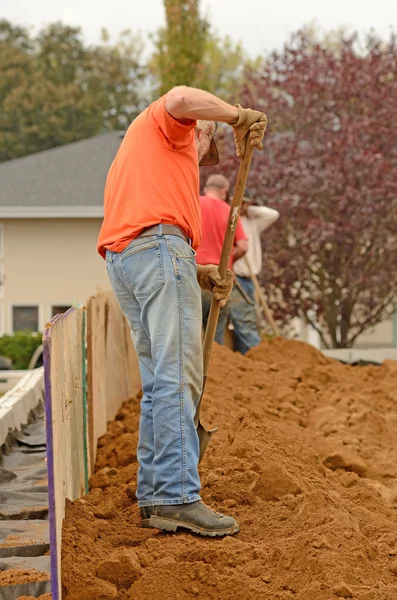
x=155 y=283
x=206 y=299
x=243 y=317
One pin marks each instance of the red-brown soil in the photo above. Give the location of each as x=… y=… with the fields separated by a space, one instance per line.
x=305 y=459
x=43 y=597
x=17 y=576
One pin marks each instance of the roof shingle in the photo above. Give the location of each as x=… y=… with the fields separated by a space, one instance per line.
x=72 y=175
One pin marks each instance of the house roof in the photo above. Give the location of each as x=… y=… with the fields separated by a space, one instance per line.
x=66 y=181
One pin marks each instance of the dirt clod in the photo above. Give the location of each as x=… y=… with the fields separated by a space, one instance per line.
x=122 y=568
x=100 y=480
x=105 y=510
x=343 y=591
x=346 y=460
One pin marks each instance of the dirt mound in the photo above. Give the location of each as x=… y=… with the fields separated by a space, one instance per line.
x=305 y=459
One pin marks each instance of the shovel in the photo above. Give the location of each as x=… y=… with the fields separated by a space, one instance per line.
x=242 y=176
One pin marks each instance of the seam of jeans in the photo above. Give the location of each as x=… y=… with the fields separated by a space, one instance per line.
x=174 y=260
x=169 y=240
x=118 y=279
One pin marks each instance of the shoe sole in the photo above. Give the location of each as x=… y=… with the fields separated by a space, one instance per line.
x=169 y=525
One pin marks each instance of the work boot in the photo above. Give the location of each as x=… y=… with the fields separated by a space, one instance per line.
x=196 y=517
x=146 y=511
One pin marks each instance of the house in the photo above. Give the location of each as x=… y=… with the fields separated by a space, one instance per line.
x=51 y=209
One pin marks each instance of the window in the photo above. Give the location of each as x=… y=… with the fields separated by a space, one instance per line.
x=58 y=310
x=25 y=318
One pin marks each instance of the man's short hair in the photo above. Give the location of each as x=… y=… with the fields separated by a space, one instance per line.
x=217 y=181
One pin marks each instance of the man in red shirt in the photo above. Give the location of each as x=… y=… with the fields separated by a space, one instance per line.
x=215 y=215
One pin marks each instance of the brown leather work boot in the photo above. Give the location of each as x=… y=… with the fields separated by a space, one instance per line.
x=196 y=517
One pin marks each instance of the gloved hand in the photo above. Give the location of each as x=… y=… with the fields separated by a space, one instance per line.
x=250 y=122
x=209 y=279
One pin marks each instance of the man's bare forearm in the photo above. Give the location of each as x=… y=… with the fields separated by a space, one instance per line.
x=190 y=103
x=239 y=251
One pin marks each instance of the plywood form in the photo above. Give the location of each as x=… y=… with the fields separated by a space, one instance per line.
x=112 y=364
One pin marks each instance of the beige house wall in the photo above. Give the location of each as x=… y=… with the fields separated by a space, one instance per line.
x=48 y=262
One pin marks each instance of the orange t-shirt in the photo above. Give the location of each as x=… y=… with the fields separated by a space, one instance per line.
x=153 y=179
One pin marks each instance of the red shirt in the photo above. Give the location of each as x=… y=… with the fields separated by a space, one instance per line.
x=214 y=218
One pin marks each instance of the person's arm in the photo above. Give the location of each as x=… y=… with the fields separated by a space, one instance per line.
x=183 y=102
x=264 y=216
x=187 y=104
x=240 y=248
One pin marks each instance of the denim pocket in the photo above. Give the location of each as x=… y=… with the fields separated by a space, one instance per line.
x=178 y=247
x=142 y=267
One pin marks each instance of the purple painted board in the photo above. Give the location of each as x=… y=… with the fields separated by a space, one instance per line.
x=55 y=584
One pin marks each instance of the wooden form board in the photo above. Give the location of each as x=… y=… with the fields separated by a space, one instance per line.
x=112 y=365
x=66 y=428
x=90 y=369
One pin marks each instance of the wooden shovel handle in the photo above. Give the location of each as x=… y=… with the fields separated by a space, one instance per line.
x=241 y=181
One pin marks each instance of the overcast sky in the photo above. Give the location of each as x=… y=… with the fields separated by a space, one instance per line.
x=260 y=24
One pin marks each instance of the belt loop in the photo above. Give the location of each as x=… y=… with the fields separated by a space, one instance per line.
x=160 y=229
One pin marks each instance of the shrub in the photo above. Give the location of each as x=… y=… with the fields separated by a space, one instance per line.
x=20 y=347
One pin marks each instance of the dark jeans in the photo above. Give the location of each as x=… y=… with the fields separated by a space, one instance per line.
x=243 y=316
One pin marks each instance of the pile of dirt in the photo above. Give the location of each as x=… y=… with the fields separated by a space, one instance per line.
x=305 y=459
x=18 y=576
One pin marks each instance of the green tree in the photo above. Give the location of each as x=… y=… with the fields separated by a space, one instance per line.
x=180 y=45
x=220 y=67
x=54 y=89
x=224 y=67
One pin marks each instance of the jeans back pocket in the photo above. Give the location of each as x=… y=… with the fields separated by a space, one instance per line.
x=142 y=266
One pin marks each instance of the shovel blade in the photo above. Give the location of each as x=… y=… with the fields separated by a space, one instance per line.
x=204 y=438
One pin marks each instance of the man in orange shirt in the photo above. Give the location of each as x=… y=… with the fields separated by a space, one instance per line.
x=215 y=212
x=151 y=228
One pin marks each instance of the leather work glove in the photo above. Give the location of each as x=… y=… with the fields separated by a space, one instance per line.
x=209 y=279
x=252 y=123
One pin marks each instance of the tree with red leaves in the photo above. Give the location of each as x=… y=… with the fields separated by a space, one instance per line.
x=330 y=168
